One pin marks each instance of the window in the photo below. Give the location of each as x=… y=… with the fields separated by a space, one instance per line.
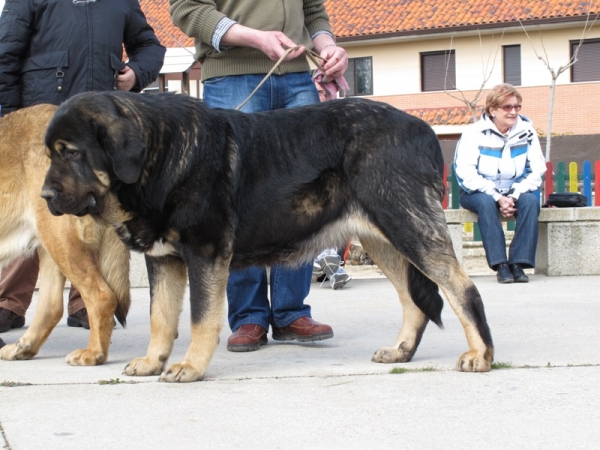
x=512 y=64
x=438 y=71
x=587 y=67
x=359 y=76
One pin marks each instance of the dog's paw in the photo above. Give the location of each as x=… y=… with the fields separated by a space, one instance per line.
x=388 y=355
x=15 y=352
x=85 y=357
x=471 y=361
x=181 y=373
x=143 y=367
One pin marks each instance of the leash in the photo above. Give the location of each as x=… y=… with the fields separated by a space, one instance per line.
x=314 y=57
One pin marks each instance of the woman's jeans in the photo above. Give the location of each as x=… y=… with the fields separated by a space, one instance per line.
x=524 y=242
x=247 y=290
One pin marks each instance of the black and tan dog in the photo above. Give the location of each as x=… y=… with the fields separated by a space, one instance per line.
x=86 y=252
x=201 y=190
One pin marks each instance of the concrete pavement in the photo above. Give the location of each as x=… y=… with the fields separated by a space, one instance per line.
x=329 y=395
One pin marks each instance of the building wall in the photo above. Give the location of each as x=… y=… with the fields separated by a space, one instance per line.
x=397 y=74
x=575 y=106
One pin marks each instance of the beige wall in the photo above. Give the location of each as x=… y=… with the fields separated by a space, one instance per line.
x=396 y=74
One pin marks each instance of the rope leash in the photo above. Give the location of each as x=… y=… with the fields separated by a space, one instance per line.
x=314 y=57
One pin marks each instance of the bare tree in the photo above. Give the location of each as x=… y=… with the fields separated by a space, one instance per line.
x=487 y=70
x=558 y=72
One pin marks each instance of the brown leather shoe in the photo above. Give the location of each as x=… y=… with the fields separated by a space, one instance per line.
x=303 y=329
x=10 y=320
x=247 y=338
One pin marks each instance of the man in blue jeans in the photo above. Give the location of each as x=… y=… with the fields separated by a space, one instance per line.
x=237 y=47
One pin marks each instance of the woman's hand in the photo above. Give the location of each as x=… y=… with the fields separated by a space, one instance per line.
x=507 y=206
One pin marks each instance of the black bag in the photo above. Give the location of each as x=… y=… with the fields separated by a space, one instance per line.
x=566 y=200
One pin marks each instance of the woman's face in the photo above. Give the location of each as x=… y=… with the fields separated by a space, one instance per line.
x=505 y=116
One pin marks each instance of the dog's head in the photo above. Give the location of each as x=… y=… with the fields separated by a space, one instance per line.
x=93 y=142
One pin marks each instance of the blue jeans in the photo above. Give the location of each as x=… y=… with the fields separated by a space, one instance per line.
x=247 y=289
x=524 y=242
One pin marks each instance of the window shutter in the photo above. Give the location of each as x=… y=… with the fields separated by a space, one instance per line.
x=587 y=67
x=512 y=64
x=438 y=71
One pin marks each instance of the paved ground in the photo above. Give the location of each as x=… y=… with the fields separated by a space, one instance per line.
x=329 y=395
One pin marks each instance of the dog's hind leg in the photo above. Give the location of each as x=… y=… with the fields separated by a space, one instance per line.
x=404 y=276
x=423 y=238
x=168 y=277
x=208 y=282
x=47 y=314
x=465 y=300
x=403 y=204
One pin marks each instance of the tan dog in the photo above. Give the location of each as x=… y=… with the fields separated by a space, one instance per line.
x=89 y=255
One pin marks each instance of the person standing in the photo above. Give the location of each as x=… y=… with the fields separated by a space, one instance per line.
x=499 y=166
x=328 y=264
x=51 y=50
x=236 y=45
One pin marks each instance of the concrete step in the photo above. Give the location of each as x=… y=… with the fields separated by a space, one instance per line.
x=360 y=265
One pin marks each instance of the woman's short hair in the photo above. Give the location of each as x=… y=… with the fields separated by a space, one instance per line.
x=499 y=94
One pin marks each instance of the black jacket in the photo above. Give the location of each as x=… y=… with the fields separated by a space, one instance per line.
x=51 y=50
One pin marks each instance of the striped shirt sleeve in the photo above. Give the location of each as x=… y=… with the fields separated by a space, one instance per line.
x=224 y=24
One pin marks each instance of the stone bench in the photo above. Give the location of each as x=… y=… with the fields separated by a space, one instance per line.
x=568 y=243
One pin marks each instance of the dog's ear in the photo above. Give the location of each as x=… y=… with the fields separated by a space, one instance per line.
x=126 y=149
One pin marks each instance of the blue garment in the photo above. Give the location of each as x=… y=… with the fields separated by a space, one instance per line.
x=524 y=242
x=247 y=289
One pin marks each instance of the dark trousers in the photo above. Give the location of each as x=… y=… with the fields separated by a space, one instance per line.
x=523 y=246
x=18 y=283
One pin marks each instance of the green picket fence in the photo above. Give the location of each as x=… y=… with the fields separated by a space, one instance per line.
x=565 y=178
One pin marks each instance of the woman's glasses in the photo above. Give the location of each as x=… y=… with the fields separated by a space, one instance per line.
x=509 y=108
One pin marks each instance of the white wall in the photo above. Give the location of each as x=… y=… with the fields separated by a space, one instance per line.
x=1 y=6
x=396 y=65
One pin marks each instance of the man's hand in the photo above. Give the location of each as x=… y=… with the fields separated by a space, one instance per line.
x=274 y=44
x=507 y=206
x=126 y=79
x=337 y=59
x=271 y=43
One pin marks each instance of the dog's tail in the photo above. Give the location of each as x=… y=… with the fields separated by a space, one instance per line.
x=426 y=295
x=114 y=267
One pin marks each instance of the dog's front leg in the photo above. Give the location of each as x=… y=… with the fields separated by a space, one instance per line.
x=47 y=313
x=168 y=278
x=208 y=282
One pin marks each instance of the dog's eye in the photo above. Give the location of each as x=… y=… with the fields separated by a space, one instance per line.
x=70 y=154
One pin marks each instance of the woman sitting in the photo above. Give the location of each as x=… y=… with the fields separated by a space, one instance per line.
x=499 y=166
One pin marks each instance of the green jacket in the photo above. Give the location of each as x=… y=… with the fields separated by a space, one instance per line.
x=297 y=19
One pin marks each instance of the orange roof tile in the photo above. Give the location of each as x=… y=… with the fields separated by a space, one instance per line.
x=453 y=115
x=157 y=14
x=352 y=19
x=364 y=18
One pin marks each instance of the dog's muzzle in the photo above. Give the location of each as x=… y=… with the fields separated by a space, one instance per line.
x=60 y=204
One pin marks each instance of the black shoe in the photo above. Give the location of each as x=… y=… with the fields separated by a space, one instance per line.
x=9 y=320
x=518 y=273
x=504 y=275
x=79 y=319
